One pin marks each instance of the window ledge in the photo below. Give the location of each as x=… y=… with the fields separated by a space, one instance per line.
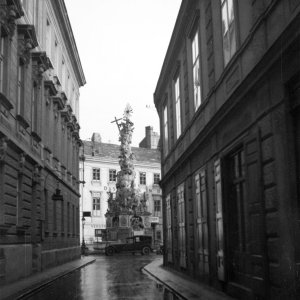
x=5 y=102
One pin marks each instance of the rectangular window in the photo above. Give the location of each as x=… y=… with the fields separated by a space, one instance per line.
x=177 y=107
x=2 y=62
x=57 y=60
x=157 y=206
x=48 y=37
x=156 y=178
x=19 y=199
x=21 y=79
x=166 y=130
x=63 y=73
x=202 y=226
x=142 y=178
x=228 y=30
x=96 y=206
x=68 y=217
x=181 y=225
x=158 y=235
x=112 y=175
x=46 y=210
x=73 y=219
x=62 y=217
x=196 y=71
x=169 y=229
x=34 y=109
x=54 y=214
x=96 y=174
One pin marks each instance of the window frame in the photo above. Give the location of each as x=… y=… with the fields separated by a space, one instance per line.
x=3 y=61
x=166 y=128
x=155 y=175
x=96 y=206
x=177 y=100
x=112 y=176
x=142 y=177
x=230 y=26
x=157 y=205
x=196 y=63
x=93 y=173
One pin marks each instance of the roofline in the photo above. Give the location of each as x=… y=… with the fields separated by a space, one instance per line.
x=168 y=57
x=62 y=15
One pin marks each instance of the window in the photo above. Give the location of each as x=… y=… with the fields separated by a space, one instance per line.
x=181 y=225
x=202 y=227
x=112 y=175
x=48 y=37
x=228 y=29
x=156 y=178
x=2 y=62
x=56 y=50
x=157 y=206
x=169 y=229
x=142 y=178
x=96 y=174
x=63 y=73
x=177 y=107
x=196 y=71
x=96 y=206
x=158 y=235
x=21 y=89
x=166 y=135
x=34 y=108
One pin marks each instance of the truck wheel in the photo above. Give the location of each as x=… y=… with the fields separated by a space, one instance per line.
x=146 y=251
x=110 y=251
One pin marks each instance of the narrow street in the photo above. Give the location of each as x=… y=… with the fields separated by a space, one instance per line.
x=116 y=277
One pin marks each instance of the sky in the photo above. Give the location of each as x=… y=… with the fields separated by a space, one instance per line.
x=122 y=45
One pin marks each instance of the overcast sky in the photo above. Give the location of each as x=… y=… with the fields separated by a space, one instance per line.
x=122 y=45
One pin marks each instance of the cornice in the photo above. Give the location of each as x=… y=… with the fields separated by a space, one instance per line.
x=177 y=33
x=67 y=33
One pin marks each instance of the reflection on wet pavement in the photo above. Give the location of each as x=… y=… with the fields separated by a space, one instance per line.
x=109 y=278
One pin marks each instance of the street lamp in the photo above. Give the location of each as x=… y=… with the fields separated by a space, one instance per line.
x=83 y=242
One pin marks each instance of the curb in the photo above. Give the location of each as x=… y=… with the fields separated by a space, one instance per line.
x=165 y=284
x=44 y=283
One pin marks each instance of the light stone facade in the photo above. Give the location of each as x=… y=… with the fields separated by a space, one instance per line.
x=40 y=77
x=104 y=157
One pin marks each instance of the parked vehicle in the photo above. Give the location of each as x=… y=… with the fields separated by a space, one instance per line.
x=138 y=243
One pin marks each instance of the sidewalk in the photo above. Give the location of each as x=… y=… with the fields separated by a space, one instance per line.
x=181 y=285
x=25 y=286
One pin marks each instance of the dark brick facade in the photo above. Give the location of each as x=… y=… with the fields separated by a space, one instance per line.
x=242 y=217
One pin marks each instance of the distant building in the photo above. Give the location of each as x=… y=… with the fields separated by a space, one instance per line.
x=151 y=139
x=101 y=165
x=228 y=98
x=40 y=77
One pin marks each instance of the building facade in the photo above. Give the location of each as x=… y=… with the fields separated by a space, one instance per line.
x=100 y=168
x=40 y=77
x=228 y=101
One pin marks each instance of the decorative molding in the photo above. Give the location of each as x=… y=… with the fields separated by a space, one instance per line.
x=57 y=100
x=36 y=136
x=3 y=149
x=22 y=121
x=27 y=41
x=41 y=63
x=49 y=85
x=10 y=11
x=5 y=102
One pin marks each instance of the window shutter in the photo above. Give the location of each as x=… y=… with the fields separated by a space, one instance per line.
x=219 y=221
